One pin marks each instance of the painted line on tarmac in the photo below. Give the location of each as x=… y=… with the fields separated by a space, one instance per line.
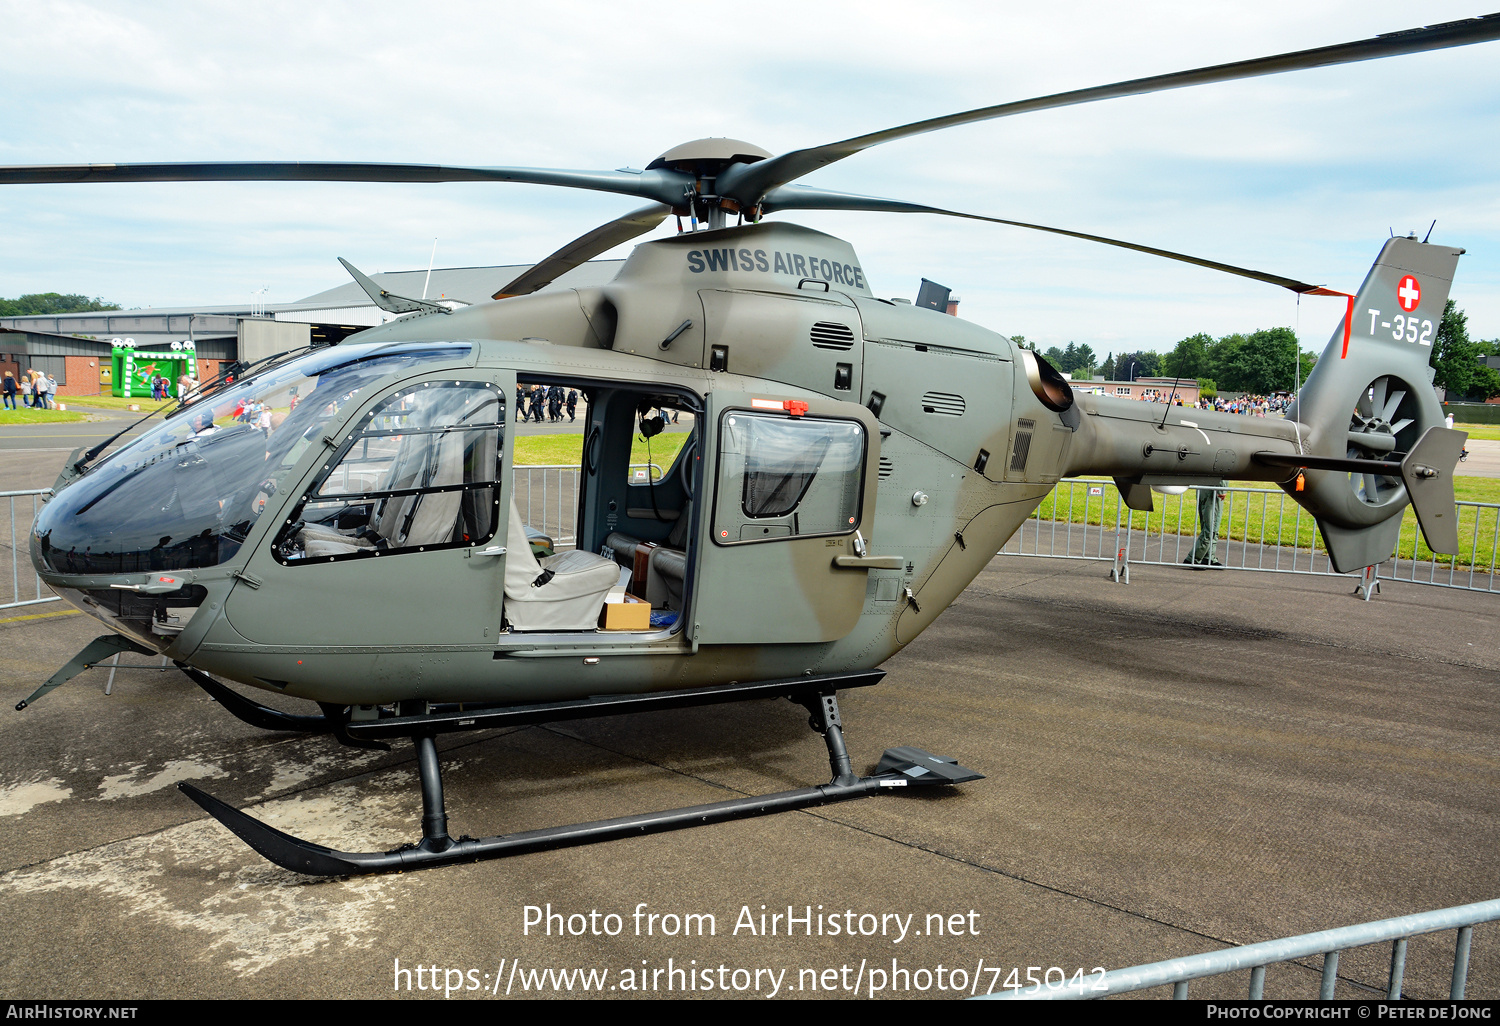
x=42 y=616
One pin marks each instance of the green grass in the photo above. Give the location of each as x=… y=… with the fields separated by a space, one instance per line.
x=27 y=415
x=109 y=402
x=1261 y=517
x=1488 y=432
x=565 y=450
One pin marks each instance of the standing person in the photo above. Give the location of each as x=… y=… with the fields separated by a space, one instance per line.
x=572 y=404
x=26 y=390
x=1210 y=508
x=39 y=388
x=520 y=404
x=52 y=389
x=8 y=390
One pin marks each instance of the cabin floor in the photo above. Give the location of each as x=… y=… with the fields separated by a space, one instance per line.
x=1193 y=760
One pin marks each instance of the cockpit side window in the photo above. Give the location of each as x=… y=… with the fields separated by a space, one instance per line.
x=420 y=471
x=190 y=491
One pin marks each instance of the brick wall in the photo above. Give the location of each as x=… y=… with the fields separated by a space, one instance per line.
x=82 y=375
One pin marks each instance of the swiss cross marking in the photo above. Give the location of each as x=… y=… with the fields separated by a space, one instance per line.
x=1408 y=293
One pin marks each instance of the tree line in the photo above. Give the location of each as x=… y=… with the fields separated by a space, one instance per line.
x=1261 y=362
x=45 y=303
x=1458 y=361
x=1266 y=361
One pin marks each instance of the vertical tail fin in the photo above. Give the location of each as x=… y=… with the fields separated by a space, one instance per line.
x=1371 y=397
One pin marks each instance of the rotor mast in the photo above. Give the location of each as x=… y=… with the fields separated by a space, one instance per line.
x=704 y=160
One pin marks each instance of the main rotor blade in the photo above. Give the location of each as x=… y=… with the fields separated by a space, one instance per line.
x=747 y=183
x=585 y=248
x=662 y=185
x=801 y=197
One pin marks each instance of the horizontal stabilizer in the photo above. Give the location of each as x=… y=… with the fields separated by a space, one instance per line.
x=1343 y=463
x=1427 y=472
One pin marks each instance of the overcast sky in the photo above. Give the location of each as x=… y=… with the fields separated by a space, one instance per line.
x=1302 y=174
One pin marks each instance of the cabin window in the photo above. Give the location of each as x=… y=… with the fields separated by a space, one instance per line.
x=783 y=477
x=420 y=471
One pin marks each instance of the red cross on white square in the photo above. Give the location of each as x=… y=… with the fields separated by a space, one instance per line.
x=1408 y=293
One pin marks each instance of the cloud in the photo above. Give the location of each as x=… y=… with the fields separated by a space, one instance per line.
x=1301 y=174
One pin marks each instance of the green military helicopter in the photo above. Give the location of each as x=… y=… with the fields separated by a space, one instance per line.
x=854 y=463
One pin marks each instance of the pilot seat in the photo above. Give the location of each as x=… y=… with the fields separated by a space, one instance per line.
x=564 y=592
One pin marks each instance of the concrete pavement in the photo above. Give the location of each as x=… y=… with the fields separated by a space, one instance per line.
x=1483 y=459
x=1190 y=761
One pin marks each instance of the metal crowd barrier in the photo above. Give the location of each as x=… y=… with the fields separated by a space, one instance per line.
x=12 y=558
x=1329 y=943
x=1259 y=529
x=547 y=496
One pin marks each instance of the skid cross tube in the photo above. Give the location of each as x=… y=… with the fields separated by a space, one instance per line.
x=448 y=718
x=899 y=767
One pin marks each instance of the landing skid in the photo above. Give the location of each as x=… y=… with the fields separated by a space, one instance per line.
x=900 y=767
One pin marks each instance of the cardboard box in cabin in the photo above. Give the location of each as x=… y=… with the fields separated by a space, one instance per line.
x=629 y=614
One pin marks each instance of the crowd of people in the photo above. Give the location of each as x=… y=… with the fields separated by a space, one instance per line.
x=37 y=390
x=1246 y=405
x=536 y=402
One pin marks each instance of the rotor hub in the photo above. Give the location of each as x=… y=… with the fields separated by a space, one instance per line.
x=709 y=156
x=705 y=160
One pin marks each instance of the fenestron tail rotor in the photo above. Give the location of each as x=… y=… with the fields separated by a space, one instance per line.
x=1383 y=422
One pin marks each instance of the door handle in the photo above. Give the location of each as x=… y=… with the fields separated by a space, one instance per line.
x=869 y=562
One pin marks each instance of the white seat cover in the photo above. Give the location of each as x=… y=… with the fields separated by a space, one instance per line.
x=570 y=601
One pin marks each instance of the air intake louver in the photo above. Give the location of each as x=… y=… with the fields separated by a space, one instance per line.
x=946 y=403
x=1023 y=445
x=886 y=466
x=832 y=335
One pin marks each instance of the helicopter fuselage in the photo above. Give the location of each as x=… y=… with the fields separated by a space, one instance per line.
x=855 y=462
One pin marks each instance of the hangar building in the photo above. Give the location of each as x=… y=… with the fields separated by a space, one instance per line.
x=75 y=348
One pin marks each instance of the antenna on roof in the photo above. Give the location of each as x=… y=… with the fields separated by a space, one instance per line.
x=428 y=280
